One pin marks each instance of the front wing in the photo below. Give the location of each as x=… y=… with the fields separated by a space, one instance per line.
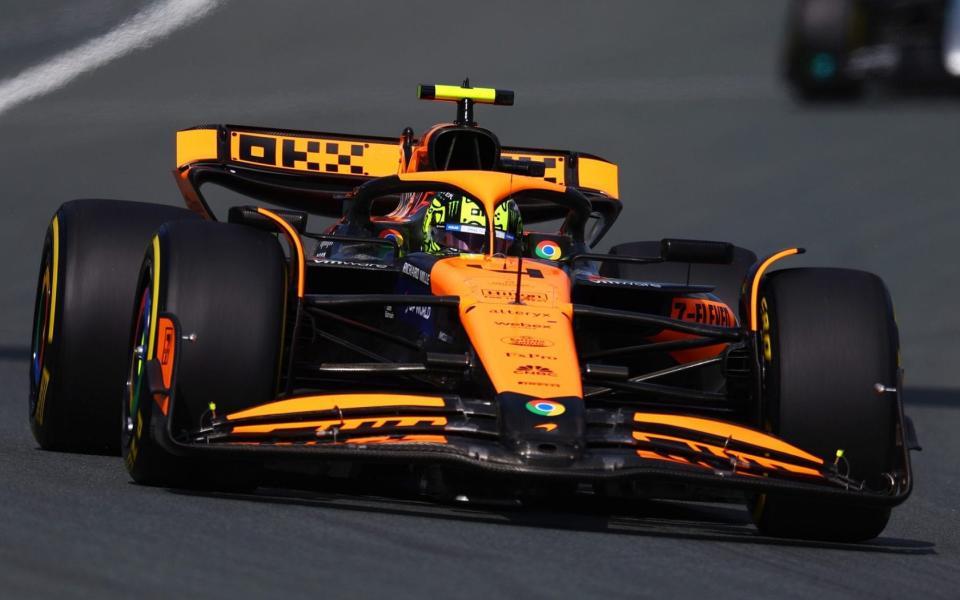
x=618 y=444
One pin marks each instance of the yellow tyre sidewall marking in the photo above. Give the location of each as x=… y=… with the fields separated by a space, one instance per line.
x=42 y=396
x=765 y=324
x=55 y=227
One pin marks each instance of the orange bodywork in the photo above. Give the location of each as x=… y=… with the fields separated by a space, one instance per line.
x=405 y=439
x=724 y=430
x=295 y=243
x=758 y=275
x=697 y=310
x=344 y=424
x=526 y=348
x=309 y=153
x=744 y=460
x=304 y=404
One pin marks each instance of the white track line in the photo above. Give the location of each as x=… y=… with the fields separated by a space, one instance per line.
x=138 y=32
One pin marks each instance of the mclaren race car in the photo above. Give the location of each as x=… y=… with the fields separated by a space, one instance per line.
x=835 y=46
x=452 y=322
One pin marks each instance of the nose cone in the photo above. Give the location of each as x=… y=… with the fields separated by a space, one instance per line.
x=543 y=432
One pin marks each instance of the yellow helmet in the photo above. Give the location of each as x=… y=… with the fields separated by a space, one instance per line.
x=458 y=224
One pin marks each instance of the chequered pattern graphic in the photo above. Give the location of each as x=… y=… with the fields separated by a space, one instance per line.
x=329 y=157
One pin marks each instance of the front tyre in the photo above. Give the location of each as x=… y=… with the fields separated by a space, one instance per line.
x=225 y=286
x=828 y=338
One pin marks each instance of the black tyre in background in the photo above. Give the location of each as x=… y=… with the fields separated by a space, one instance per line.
x=88 y=277
x=225 y=286
x=829 y=337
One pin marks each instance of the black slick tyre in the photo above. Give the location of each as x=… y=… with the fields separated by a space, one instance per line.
x=88 y=276
x=224 y=284
x=821 y=36
x=829 y=337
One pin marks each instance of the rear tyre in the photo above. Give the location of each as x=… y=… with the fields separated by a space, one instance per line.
x=88 y=277
x=821 y=36
x=225 y=285
x=829 y=337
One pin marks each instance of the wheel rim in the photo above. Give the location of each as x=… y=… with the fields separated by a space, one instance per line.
x=137 y=361
x=38 y=343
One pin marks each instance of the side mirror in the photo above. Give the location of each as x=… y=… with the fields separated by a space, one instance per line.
x=248 y=215
x=696 y=251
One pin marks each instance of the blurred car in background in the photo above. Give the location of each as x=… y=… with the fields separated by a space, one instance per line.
x=835 y=46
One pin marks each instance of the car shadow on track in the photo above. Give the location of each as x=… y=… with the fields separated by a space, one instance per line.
x=645 y=518
x=938 y=397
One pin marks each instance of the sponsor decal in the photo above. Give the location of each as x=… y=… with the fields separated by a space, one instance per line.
x=548 y=249
x=323 y=249
x=416 y=273
x=508 y=294
x=698 y=310
x=393 y=235
x=465 y=228
x=534 y=370
x=303 y=153
x=519 y=325
x=527 y=341
x=423 y=312
x=514 y=312
x=530 y=356
x=539 y=383
x=546 y=408
x=321 y=260
x=599 y=279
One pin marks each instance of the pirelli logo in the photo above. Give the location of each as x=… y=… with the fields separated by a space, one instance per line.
x=317 y=155
x=553 y=165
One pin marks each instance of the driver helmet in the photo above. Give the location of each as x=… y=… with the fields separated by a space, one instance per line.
x=456 y=224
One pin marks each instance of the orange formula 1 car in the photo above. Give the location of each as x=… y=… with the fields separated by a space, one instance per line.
x=453 y=320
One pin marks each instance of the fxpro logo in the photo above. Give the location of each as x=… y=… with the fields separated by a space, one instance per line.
x=530 y=355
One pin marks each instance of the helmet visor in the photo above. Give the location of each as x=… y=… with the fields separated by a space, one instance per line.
x=503 y=242
x=465 y=239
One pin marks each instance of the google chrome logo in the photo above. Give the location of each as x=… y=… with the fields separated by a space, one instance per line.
x=546 y=408
x=548 y=249
x=393 y=235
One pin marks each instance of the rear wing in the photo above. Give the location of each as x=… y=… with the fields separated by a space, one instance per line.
x=311 y=171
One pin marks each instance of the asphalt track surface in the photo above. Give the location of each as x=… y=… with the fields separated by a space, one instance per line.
x=683 y=95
